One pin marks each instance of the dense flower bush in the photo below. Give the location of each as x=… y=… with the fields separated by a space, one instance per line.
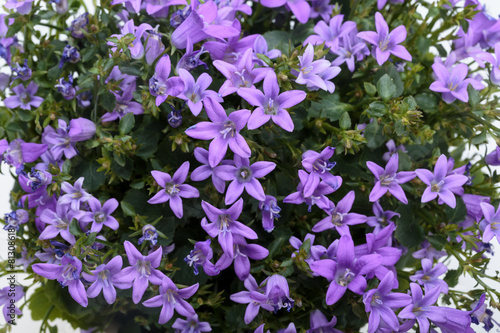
x=251 y=166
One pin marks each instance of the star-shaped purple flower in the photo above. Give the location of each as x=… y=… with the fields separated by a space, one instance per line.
x=24 y=98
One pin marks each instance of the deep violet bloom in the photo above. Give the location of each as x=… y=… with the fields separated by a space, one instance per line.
x=489 y=225
x=254 y=297
x=224 y=130
x=104 y=278
x=65 y=88
x=19 y=152
x=339 y=217
x=271 y=104
x=224 y=225
x=142 y=270
x=452 y=83
x=386 y=42
x=278 y=293
x=201 y=256
x=101 y=215
x=195 y=92
x=381 y=219
x=24 y=98
x=172 y=298
x=67 y=274
x=191 y=325
x=160 y=85
x=440 y=184
x=319 y=166
x=204 y=171
x=347 y=271
x=300 y=8
x=173 y=189
x=389 y=179
x=318 y=196
x=7 y=300
x=191 y=59
x=69 y=54
x=319 y=323
x=22 y=72
x=429 y=276
x=493 y=158
x=381 y=302
x=270 y=211
x=243 y=176
x=331 y=32
x=150 y=234
x=481 y=314
x=57 y=222
x=74 y=195
x=310 y=70
x=79 y=25
x=14 y=219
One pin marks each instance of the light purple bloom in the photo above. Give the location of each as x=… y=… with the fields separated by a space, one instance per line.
x=136 y=48
x=260 y=47
x=24 y=98
x=123 y=105
x=201 y=256
x=318 y=197
x=385 y=42
x=270 y=211
x=481 y=314
x=339 y=217
x=7 y=300
x=310 y=70
x=191 y=325
x=79 y=25
x=101 y=215
x=315 y=251
x=350 y=49
x=493 y=158
x=224 y=130
x=191 y=59
x=278 y=293
x=319 y=323
x=205 y=171
x=427 y=251
x=74 y=195
x=172 y=298
x=254 y=297
x=452 y=83
x=22 y=72
x=300 y=8
x=319 y=166
x=23 y=7
x=150 y=234
x=19 y=152
x=62 y=141
x=381 y=218
x=389 y=179
x=271 y=104
x=224 y=225
x=67 y=274
x=174 y=189
x=489 y=225
x=429 y=276
x=160 y=85
x=243 y=176
x=141 y=270
x=104 y=278
x=330 y=34
x=440 y=184
x=58 y=222
x=391 y=146
x=195 y=92
x=154 y=46
x=381 y=3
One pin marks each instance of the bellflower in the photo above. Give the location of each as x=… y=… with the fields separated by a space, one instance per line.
x=300 y=8
x=386 y=42
x=493 y=158
x=8 y=298
x=136 y=48
x=123 y=105
x=23 y=7
x=195 y=92
x=224 y=225
x=104 y=278
x=331 y=32
x=315 y=251
x=381 y=218
x=321 y=8
x=191 y=325
x=19 y=152
x=440 y=184
x=481 y=314
x=67 y=274
x=35 y=179
x=350 y=49
x=57 y=222
x=62 y=141
x=381 y=3
x=174 y=189
x=22 y=72
x=154 y=46
x=270 y=211
x=78 y=26
x=271 y=104
x=172 y=298
x=391 y=146
x=278 y=293
x=201 y=256
x=319 y=166
x=310 y=70
x=429 y=276
x=191 y=59
x=14 y=219
x=142 y=270
x=260 y=47
x=389 y=179
x=318 y=197
x=160 y=85
x=489 y=225
x=243 y=176
x=347 y=271
x=429 y=252
x=453 y=83
x=69 y=54
x=254 y=297
x=319 y=323
x=24 y=98
x=65 y=88
x=74 y=194
x=150 y=234
x=224 y=130
x=100 y=215
x=205 y=171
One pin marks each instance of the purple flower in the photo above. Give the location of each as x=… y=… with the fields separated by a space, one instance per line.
x=310 y=70
x=205 y=171
x=381 y=218
x=453 y=83
x=260 y=47
x=160 y=85
x=243 y=176
x=201 y=256
x=427 y=251
x=136 y=48
x=481 y=314
x=493 y=158
x=101 y=215
x=318 y=196
x=67 y=274
x=386 y=42
x=254 y=297
x=389 y=179
x=7 y=300
x=150 y=234
x=191 y=59
x=141 y=270
x=224 y=225
x=300 y=8
x=58 y=222
x=339 y=217
x=34 y=180
x=319 y=166
x=489 y=225
x=381 y=3
x=104 y=279
x=123 y=105
x=277 y=293
x=195 y=92
x=78 y=26
x=75 y=195
x=65 y=88
x=25 y=97
x=315 y=252
x=347 y=272
x=429 y=276
x=319 y=323
x=71 y=54
x=174 y=189
x=380 y=302
x=271 y=104
x=191 y=325
x=62 y=141
x=330 y=34
x=392 y=150
x=14 y=219
x=154 y=46
x=224 y=130
x=21 y=72
x=270 y=211
x=440 y=184
x=172 y=298
x=23 y=7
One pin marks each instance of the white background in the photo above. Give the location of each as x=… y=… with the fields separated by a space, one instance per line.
x=26 y=325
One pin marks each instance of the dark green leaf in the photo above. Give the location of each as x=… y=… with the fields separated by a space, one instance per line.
x=107 y=100
x=345 y=121
x=386 y=88
x=374 y=135
x=457 y=214
x=93 y=179
x=370 y=89
x=74 y=228
x=473 y=96
x=409 y=233
x=427 y=102
x=277 y=40
x=377 y=109
x=452 y=276
x=126 y=123
x=128 y=209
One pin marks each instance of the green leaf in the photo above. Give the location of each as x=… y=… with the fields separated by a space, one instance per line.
x=54 y=73
x=128 y=209
x=90 y=239
x=474 y=98
x=478 y=139
x=66 y=166
x=74 y=228
x=126 y=123
x=25 y=115
x=452 y=276
x=277 y=40
x=427 y=102
x=437 y=241
x=377 y=109
x=14 y=28
x=345 y=121
x=457 y=214
x=374 y=135
x=329 y=107
x=408 y=232
x=93 y=179
x=107 y=100
x=265 y=59
x=386 y=88
x=370 y=89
